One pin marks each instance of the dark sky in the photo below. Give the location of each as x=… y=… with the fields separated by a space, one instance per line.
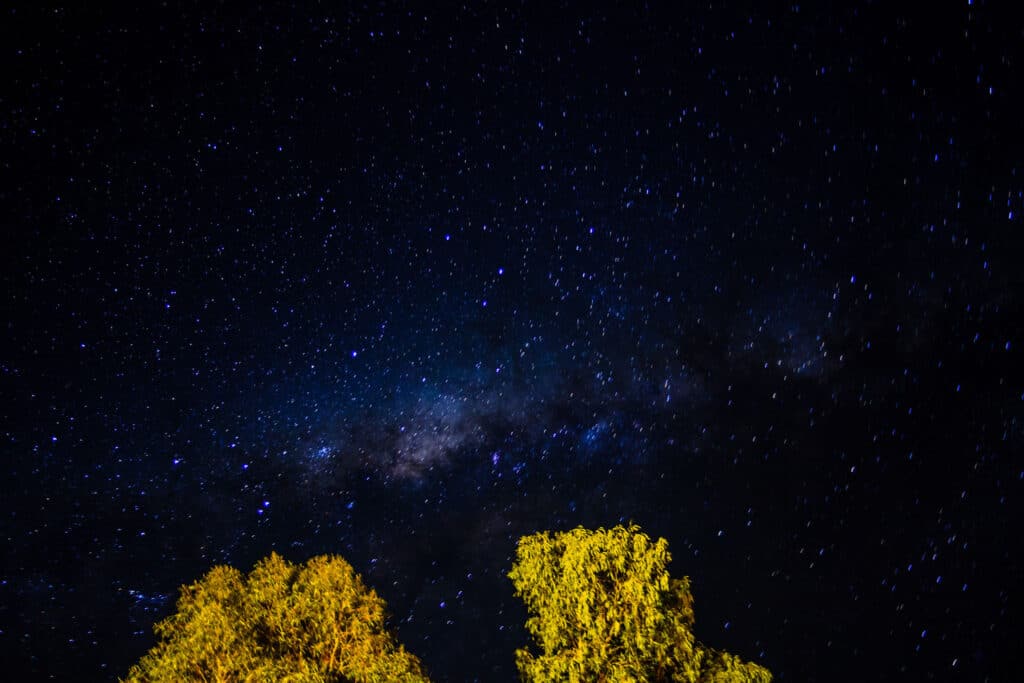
x=406 y=283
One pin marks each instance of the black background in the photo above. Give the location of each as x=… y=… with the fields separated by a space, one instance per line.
x=406 y=281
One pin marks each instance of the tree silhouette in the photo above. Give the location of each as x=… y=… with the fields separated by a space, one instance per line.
x=604 y=608
x=310 y=623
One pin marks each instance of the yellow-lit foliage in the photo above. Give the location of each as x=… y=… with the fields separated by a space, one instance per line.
x=311 y=623
x=604 y=608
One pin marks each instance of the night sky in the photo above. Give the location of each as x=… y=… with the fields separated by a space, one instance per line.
x=406 y=282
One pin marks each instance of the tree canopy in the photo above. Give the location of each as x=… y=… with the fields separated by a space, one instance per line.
x=603 y=608
x=309 y=623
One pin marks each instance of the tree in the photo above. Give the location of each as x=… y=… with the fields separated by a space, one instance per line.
x=309 y=623
x=604 y=608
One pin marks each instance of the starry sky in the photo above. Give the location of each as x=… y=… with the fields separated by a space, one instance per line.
x=404 y=282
